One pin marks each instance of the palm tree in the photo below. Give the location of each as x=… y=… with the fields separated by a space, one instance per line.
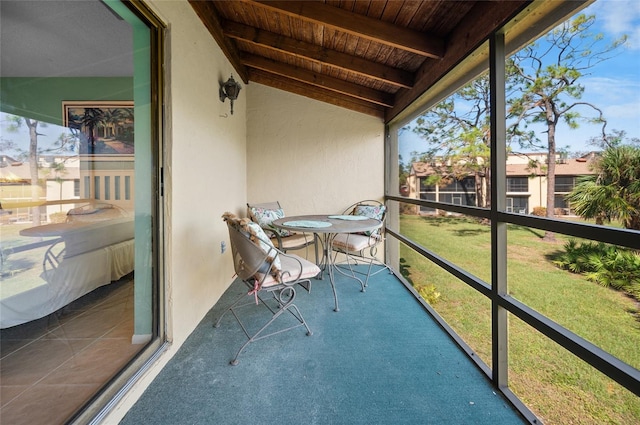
x=112 y=119
x=613 y=193
x=92 y=118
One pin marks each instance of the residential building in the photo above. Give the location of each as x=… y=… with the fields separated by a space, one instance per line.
x=526 y=183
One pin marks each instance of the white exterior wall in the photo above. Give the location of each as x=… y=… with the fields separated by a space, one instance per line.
x=538 y=192
x=312 y=157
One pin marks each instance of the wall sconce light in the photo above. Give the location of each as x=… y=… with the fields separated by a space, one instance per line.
x=230 y=90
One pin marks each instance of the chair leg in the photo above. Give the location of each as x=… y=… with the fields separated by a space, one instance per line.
x=349 y=266
x=230 y=308
x=284 y=297
x=352 y=261
x=371 y=264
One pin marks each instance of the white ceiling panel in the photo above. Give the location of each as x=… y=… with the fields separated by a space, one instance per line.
x=72 y=38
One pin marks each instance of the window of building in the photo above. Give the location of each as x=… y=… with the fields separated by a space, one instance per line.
x=463 y=185
x=517 y=184
x=425 y=186
x=87 y=187
x=107 y=188
x=565 y=183
x=116 y=188
x=127 y=188
x=96 y=187
x=517 y=204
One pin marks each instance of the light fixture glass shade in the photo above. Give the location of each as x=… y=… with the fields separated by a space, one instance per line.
x=230 y=89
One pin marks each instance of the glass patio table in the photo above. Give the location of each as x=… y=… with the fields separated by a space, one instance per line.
x=325 y=228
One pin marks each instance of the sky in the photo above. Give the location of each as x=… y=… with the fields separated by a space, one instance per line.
x=613 y=86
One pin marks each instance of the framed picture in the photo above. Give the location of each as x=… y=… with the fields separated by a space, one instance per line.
x=102 y=127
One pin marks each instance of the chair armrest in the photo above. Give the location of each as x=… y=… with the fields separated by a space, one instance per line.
x=273 y=235
x=294 y=270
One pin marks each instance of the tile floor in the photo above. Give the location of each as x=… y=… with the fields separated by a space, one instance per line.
x=52 y=366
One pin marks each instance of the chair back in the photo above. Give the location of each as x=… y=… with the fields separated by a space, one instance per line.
x=371 y=209
x=248 y=258
x=275 y=205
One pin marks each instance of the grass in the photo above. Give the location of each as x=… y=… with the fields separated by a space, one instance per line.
x=557 y=386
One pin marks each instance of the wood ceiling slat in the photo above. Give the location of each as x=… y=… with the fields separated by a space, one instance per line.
x=269 y=40
x=359 y=7
x=424 y=14
x=316 y=93
x=299 y=29
x=406 y=13
x=253 y=16
x=376 y=9
x=363 y=47
x=329 y=83
x=234 y=10
x=276 y=25
x=334 y=40
x=375 y=30
x=391 y=10
x=447 y=17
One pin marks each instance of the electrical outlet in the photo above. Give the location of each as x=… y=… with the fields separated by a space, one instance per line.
x=223 y=247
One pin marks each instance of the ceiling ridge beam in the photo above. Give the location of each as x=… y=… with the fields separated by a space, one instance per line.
x=359 y=25
x=291 y=46
x=319 y=80
x=316 y=93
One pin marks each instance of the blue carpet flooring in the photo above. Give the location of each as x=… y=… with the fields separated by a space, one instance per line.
x=380 y=360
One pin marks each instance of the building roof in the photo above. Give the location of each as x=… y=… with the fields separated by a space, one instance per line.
x=515 y=167
x=16 y=172
x=568 y=167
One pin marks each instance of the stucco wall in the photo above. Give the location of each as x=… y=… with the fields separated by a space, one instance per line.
x=205 y=175
x=206 y=158
x=311 y=156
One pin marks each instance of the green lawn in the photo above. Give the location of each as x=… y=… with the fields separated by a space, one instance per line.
x=558 y=387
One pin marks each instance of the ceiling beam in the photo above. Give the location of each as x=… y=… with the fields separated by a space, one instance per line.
x=361 y=26
x=207 y=14
x=316 y=93
x=320 y=80
x=287 y=45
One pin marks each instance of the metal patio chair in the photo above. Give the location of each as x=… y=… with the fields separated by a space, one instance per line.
x=361 y=247
x=265 y=213
x=265 y=270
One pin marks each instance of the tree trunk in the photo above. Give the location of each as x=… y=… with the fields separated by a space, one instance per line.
x=551 y=174
x=33 y=169
x=480 y=199
x=487 y=187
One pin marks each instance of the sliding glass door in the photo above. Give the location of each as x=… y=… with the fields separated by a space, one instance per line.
x=79 y=151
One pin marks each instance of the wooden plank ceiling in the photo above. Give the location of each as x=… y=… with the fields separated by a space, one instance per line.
x=370 y=56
